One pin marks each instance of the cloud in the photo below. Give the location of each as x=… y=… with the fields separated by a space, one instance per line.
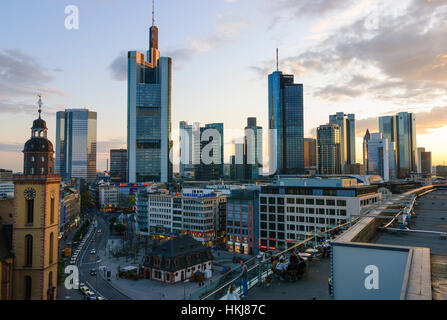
x=401 y=57
x=11 y=147
x=425 y=121
x=118 y=67
x=105 y=145
x=300 y=8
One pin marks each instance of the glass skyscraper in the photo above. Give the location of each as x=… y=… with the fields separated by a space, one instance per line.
x=149 y=114
x=286 y=149
x=346 y=122
x=76 y=131
x=253 y=157
x=378 y=156
x=387 y=127
x=328 y=149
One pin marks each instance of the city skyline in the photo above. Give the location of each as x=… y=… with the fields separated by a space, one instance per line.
x=414 y=87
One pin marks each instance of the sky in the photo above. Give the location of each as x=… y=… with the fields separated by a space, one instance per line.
x=368 y=57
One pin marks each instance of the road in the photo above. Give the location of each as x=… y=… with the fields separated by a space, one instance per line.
x=88 y=261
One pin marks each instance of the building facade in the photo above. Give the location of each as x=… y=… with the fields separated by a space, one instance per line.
x=329 y=149
x=253 y=158
x=388 y=129
x=406 y=144
x=291 y=209
x=424 y=161
x=242 y=221
x=286 y=128
x=5 y=175
x=149 y=114
x=118 y=165
x=310 y=155
x=209 y=161
x=76 y=131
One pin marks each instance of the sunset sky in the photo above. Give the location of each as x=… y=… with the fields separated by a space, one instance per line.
x=367 y=57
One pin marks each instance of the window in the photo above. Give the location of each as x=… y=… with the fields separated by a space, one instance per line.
x=290 y=200
x=52 y=211
x=341 y=203
x=28 y=250
x=320 y=202
x=30 y=211
x=309 y=201
x=28 y=288
x=330 y=202
x=51 y=247
x=299 y=201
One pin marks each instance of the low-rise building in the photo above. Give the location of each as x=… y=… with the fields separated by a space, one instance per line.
x=293 y=208
x=70 y=208
x=5 y=175
x=177 y=260
x=6 y=190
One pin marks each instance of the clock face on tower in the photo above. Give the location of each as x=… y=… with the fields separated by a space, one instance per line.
x=30 y=194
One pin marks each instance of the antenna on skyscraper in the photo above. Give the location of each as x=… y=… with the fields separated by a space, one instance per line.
x=277 y=60
x=153 y=12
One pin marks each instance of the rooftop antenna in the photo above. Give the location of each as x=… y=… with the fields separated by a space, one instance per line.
x=277 y=60
x=40 y=104
x=153 y=12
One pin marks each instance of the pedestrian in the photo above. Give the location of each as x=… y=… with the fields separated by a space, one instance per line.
x=244 y=277
x=232 y=294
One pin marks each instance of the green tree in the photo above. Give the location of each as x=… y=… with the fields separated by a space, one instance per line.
x=87 y=201
x=120 y=228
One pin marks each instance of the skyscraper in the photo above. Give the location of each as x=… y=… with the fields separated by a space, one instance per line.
x=208 y=152
x=310 y=154
x=406 y=144
x=424 y=161
x=346 y=122
x=286 y=149
x=76 y=131
x=253 y=150
x=328 y=149
x=149 y=114
x=387 y=127
x=378 y=156
x=186 y=149
x=366 y=138
x=118 y=165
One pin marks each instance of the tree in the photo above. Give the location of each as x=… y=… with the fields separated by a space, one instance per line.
x=120 y=228
x=86 y=201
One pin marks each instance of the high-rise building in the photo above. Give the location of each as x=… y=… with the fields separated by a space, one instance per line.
x=378 y=156
x=208 y=153
x=387 y=127
x=36 y=220
x=186 y=149
x=286 y=147
x=310 y=154
x=76 y=131
x=149 y=114
x=366 y=138
x=346 y=122
x=406 y=144
x=328 y=149
x=424 y=161
x=253 y=150
x=118 y=165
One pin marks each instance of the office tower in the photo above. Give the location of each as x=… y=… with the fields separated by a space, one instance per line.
x=149 y=114
x=347 y=138
x=328 y=149
x=118 y=165
x=387 y=127
x=186 y=149
x=424 y=161
x=253 y=150
x=76 y=131
x=310 y=154
x=286 y=149
x=208 y=152
x=366 y=138
x=36 y=220
x=378 y=156
x=406 y=144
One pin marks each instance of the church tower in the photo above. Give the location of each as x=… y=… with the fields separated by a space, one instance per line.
x=36 y=219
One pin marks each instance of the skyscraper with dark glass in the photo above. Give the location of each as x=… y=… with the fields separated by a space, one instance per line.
x=149 y=114
x=118 y=165
x=76 y=131
x=328 y=149
x=346 y=122
x=286 y=148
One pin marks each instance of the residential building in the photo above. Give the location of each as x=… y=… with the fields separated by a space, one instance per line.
x=423 y=161
x=328 y=149
x=5 y=175
x=243 y=221
x=76 y=131
x=292 y=209
x=70 y=208
x=378 y=156
x=346 y=122
x=118 y=165
x=286 y=128
x=177 y=260
x=149 y=114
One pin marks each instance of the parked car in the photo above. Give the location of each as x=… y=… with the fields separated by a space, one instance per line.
x=93 y=251
x=93 y=272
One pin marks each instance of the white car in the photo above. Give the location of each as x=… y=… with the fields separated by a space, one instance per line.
x=93 y=251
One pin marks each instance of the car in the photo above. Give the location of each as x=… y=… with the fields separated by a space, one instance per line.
x=99 y=231
x=100 y=298
x=93 y=251
x=93 y=272
x=93 y=240
x=84 y=289
x=90 y=295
